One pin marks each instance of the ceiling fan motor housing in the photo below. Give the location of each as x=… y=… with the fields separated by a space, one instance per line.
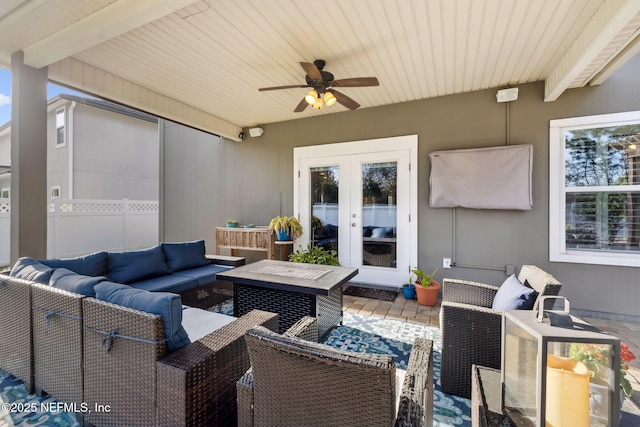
x=320 y=86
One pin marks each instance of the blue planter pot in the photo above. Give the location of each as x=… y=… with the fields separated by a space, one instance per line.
x=409 y=291
x=283 y=236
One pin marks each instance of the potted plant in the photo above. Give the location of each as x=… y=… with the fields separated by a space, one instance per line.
x=286 y=227
x=596 y=359
x=315 y=255
x=426 y=288
x=408 y=289
x=233 y=223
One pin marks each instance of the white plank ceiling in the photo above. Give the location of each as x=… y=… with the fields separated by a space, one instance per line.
x=201 y=62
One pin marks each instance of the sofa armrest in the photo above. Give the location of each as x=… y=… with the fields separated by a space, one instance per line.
x=305 y=328
x=416 y=400
x=197 y=384
x=468 y=292
x=232 y=261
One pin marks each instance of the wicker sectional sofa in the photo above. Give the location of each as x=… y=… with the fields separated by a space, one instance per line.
x=143 y=355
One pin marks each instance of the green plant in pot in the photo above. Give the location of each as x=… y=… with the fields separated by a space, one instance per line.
x=286 y=227
x=232 y=223
x=427 y=288
x=315 y=255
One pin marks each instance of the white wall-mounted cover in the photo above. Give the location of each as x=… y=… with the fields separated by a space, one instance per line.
x=482 y=178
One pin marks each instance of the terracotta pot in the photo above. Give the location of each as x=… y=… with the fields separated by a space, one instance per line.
x=428 y=295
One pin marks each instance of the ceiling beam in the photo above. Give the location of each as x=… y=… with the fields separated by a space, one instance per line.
x=86 y=78
x=105 y=24
x=601 y=30
x=629 y=52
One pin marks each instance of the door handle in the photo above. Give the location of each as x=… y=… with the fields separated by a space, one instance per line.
x=353 y=224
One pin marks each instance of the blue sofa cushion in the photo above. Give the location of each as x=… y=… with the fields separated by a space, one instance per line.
x=68 y=280
x=89 y=265
x=513 y=295
x=199 y=323
x=168 y=283
x=30 y=269
x=182 y=256
x=204 y=275
x=164 y=304
x=134 y=266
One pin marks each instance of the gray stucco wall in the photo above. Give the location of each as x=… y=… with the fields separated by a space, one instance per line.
x=207 y=180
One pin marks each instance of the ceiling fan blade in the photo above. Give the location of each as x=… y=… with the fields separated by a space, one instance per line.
x=281 y=87
x=356 y=82
x=311 y=70
x=345 y=100
x=300 y=108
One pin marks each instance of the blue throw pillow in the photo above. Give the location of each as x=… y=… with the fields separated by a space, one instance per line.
x=89 y=265
x=134 y=266
x=182 y=256
x=30 y=269
x=164 y=304
x=513 y=295
x=67 y=280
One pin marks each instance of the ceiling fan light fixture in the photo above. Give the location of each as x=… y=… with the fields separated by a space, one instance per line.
x=318 y=104
x=311 y=97
x=329 y=99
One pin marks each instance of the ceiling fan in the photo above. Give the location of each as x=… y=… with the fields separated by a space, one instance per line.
x=322 y=84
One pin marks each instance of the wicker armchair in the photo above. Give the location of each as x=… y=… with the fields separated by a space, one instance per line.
x=16 y=353
x=294 y=382
x=127 y=368
x=472 y=330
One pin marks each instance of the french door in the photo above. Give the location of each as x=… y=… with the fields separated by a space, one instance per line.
x=359 y=203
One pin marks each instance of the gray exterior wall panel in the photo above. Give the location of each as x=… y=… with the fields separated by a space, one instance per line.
x=252 y=181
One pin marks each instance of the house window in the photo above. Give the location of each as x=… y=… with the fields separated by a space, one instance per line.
x=55 y=191
x=60 y=128
x=4 y=193
x=594 y=195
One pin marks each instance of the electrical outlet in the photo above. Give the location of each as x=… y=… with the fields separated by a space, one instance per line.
x=446 y=262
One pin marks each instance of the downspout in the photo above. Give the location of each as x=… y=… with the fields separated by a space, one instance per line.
x=70 y=147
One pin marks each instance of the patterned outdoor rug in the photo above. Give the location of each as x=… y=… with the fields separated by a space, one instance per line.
x=358 y=333
x=359 y=291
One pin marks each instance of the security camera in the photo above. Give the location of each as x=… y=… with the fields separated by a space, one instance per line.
x=241 y=136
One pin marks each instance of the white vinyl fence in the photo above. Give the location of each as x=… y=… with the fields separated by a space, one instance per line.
x=79 y=227
x=372 y=215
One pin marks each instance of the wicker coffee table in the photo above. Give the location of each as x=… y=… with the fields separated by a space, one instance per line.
x=293 y=290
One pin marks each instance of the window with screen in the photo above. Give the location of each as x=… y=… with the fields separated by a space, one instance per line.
x=595 y=189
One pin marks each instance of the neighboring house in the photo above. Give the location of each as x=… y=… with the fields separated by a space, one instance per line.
x=96 y=150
